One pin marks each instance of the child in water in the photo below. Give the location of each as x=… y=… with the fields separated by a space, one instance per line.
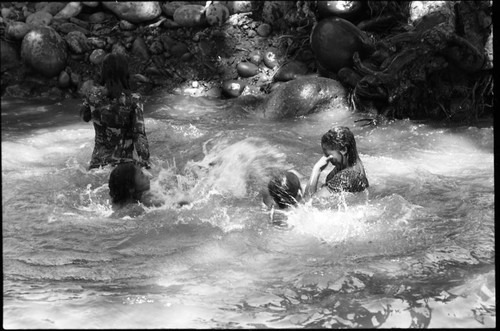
x=348 y=174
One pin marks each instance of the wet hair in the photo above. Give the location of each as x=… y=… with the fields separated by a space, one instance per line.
x=115 y=74
x=121 y=181
x=284 y=189
x=339 y=138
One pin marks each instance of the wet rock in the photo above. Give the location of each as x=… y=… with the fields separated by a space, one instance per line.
x=98 y=17
x=190 y=15
x=86 y=87
x=271 y=57
x=140 y=49
x=134 y=11
x=17 y=30
x=419 y=9
x=45 y=51
x=77 y=42
x=9 y=56
x=232 y=88
x=335 y=40
x=216 y=14
x=343 y=9
x=302 y=96
x=127 y=26
x=72 y=9
x=51 y=7
x=64 y=80
x=118 y=48
x=214 y=92
x=236 y=7
x=251 y=33
x=40 y=18
x=97 y=56
x=264 y=30
x=247 y=69
x=255 y=57
x=96 y=42
x=291 y=70
x=169 y=7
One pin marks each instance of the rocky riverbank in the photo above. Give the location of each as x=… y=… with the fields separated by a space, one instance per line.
x=384 y=54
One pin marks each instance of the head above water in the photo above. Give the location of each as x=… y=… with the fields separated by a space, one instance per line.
x=285 y=189
x=127 y=182
x=340 y=139
x=115 y=74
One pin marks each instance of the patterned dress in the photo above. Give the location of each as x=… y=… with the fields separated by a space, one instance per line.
x=120 y=134
x=352 y=179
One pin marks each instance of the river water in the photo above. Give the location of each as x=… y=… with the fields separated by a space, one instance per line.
x=415 y=250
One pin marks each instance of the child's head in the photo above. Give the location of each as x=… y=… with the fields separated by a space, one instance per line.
x=127 y=182
x=115 y=74
x=340 y=139
x=285 y=189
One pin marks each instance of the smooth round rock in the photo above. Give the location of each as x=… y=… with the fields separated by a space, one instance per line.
x=271 y=58
x=233 y=88
x=264 y=30
x=40 y=18
x=190 y=15
x=216 y=14
x=247 y=69
x=97 y=56
x=134 y=11
x=17 y=30
x=44 y=50
x=343 y=9
x=335 y=40
x=255 y=57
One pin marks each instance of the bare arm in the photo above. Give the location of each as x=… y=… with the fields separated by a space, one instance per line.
x=312 y=185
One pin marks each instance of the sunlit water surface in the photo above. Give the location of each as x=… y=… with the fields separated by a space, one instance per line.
x=415 y=250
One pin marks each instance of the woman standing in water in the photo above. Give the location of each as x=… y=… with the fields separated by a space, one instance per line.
x=117 y=115
x=348 y=174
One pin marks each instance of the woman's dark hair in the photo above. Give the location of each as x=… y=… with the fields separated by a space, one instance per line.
x=284 y=189
x=115 y=74
x=340 y=138
x=121 y=181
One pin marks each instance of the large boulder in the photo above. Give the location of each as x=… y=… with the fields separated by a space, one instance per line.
x=302 y=96
x=134 y=11
x=335 y=40
x=45 y=51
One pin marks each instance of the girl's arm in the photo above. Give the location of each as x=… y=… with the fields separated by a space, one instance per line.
x=320 y=165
